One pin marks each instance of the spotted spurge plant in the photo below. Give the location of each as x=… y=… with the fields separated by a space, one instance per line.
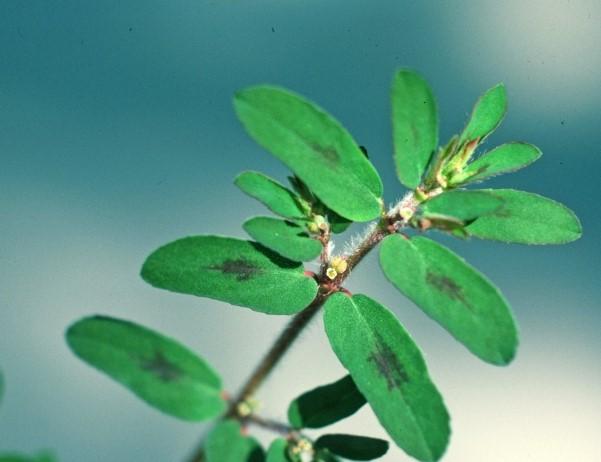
x=332 y=185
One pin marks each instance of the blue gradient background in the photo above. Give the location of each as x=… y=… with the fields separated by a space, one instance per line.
x=117 y=135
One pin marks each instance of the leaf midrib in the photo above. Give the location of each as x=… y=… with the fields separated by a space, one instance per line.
x=410 y=409
x=348 y=172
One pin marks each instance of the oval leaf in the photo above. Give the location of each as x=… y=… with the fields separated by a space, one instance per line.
x=414 y=126
x=452 y=293
x=235 y=271
x=278 y=451
x=284 y=237
x=487 y=114
x=326 y=405
x=315 y=147
x=226 y=443
x=389 y=370
x=276 y=197
x=157 y=369
x=463 y=205
x=506 y=158
x=353 y=447
x=527 y=218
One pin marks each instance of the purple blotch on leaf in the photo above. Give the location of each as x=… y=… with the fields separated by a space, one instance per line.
x=242 y=269
x=327 y=152
x=388 y=365
x=161 y=367
x=447 y=286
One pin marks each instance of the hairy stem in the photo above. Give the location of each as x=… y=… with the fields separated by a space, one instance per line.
x=276 y=352
x=269 y=361
x=389 y=224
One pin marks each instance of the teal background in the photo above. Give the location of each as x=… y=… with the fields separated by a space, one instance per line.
x=117 y=135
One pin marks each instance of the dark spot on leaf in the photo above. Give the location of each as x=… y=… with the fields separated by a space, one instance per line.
x=388 y=365
x=241 y=268
x=327 y=152
x=502 y=212
x=415 y=133
x=364 y=151
x=482 y=169
x=446 y=285
x=161 y=367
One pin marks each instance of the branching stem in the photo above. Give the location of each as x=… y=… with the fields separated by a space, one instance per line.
x=390 y=223
x=276 y=352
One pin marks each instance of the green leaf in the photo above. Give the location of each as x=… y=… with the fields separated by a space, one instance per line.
x=276 y=197
x=463 y=205
x=14 y=457
x=389 y=370
x=157 y=369
x=487 y=115
x=302 y=189
x=226 y=443
x=414 y=126
x=278 y=451
x=442 y=222
x=338 y=224
x=326 y=405
x=506 y=158
x=353 y=447
x=527 y=218
x=239 y=272
x=452 y=293
x=284 y=237
x=324 y=455
x=315 y=146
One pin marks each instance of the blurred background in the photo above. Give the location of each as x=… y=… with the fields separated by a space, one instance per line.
x=117 y=135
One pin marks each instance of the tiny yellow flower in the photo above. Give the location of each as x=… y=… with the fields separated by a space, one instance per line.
x=313 y=227
x=302 y=451
x=244 y=409
x=248 y=406
x=339 y=264
x=406 y=213
x=331 y=273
